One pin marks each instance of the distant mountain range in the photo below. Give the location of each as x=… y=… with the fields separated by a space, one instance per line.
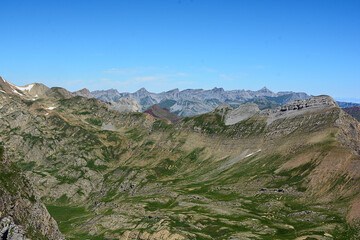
x=192 y=102
x=353 y=111
x=347 y=104
x=185 y=103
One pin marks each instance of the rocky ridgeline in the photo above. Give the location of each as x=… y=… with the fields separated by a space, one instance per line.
x=299 y=107
x=190 y=102
x=289 y=110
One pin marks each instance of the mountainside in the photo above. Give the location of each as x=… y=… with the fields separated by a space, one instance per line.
x=353 y=111
x=22 y=215
x=192 y=102
x=292 y=172
x=162 y=113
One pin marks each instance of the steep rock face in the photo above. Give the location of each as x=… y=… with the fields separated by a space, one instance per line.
x=125 y=105
x=83 y=93
x=21 y=212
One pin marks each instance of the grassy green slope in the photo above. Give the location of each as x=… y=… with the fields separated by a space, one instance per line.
x=199 y=178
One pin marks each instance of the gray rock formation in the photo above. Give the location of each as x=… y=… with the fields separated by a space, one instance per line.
x=289 y=110
x=241 y=113
x=125 y=105
x=299 y=107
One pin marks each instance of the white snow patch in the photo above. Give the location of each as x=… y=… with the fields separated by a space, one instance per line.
x=51 y=108
x=25 y=88
x=33 y=99
x=2 y=91
x=36 y=96
x=14 y=91
x=46 y=114
x=252 y=153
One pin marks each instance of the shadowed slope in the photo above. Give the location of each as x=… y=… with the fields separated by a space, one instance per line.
x=162 y=113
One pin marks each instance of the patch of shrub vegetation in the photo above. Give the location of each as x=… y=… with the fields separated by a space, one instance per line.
x=94 y=121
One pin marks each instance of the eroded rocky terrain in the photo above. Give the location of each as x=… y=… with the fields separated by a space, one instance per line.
x=287 y=173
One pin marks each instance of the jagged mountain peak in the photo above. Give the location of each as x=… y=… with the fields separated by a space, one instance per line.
x=142 y=90
x=216 y=89
x=265 y=90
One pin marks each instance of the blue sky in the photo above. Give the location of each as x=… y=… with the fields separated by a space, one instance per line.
x=311 y=46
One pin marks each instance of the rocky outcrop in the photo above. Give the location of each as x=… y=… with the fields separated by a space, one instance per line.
x=125 y=105
x=9 y=230
x=289 y=110
x=298 y=107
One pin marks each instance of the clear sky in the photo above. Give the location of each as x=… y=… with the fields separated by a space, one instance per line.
x=311 y=46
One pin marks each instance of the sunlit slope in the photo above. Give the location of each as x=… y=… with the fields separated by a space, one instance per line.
x=130 y=175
